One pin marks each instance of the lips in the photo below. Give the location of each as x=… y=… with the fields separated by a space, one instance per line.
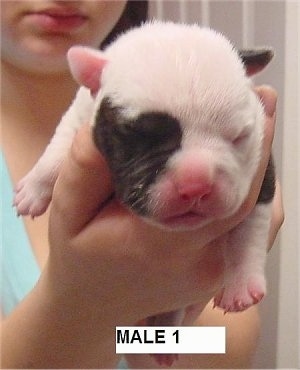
x=57 y=20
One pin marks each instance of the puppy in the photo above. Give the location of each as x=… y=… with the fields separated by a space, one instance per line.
x=174 y=112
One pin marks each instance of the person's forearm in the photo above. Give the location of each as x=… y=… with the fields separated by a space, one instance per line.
x=44 y=334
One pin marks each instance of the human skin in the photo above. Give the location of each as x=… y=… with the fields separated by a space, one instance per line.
x=107 y=267
x=36 y=84
x=36 y=43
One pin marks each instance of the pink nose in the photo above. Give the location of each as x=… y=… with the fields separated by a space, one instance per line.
x=193 y=178
x=191 y=190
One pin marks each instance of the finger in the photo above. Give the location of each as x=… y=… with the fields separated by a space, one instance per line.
x=83 y=185
x=277 y=215
x=268 y=97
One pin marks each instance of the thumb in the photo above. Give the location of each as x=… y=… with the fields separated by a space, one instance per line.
x=83 y=185
x=268 y=97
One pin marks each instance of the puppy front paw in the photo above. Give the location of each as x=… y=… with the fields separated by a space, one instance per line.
x=32 y=195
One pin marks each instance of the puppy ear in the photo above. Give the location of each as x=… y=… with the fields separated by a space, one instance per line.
x=86 y=66
x=255 y=60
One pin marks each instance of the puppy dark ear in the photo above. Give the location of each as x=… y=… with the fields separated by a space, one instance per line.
x=256 y=59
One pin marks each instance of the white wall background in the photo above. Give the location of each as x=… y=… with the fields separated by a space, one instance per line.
x=275 y=23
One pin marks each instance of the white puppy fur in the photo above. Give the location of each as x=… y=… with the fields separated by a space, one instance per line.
x=196 y=75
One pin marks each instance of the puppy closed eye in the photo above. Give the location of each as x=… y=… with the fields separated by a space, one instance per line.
x=241 y=137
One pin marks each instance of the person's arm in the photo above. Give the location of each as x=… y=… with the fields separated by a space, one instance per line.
x=56 y=328
x=107 y=267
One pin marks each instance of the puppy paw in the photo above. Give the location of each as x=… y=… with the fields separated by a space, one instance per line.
x=240 y=294
x=32 y=195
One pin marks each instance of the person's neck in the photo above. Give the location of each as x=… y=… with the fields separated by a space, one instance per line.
x=35 y=100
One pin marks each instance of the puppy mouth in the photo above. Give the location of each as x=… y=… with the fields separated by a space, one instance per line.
x=185 y=220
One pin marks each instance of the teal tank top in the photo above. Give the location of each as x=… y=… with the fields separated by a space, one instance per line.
x=19 y=268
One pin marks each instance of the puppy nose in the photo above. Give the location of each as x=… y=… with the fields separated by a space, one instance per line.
x=191 y=190
x=194 y=179
x=194 y=175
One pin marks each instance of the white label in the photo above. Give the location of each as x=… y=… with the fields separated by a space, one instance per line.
x=170 y=339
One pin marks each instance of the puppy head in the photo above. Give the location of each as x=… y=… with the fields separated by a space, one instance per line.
x=177 y=119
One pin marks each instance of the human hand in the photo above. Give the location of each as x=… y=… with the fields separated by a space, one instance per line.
x=104 y=256
x=107 y=267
